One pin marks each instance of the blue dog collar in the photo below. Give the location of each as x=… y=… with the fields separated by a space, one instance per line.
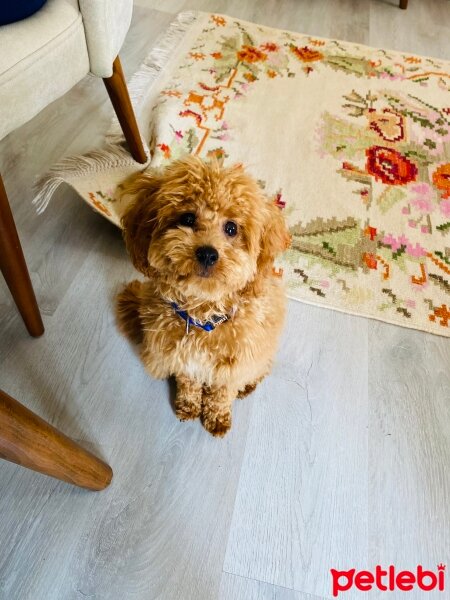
x=206 y=326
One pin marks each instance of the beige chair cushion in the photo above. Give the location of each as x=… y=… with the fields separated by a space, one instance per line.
x=41 y=58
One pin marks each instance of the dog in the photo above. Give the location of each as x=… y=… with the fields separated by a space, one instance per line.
x=210 y=310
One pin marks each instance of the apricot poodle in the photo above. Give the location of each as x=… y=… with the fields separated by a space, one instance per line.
x=210 y=310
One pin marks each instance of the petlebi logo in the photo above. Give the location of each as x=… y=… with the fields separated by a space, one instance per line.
x=388 y=580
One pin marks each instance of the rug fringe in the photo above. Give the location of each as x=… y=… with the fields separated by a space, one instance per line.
x=114 y=155
x=77 y=166
x=152 y=66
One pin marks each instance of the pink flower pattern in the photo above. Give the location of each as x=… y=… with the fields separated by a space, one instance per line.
x=415 y=251
x=444 y=206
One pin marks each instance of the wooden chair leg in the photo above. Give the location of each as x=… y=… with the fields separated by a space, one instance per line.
x=116 y=87
x=14 y=268
x=404 y=4
x=28 y=440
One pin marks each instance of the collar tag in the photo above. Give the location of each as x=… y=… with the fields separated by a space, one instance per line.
x=206 y=325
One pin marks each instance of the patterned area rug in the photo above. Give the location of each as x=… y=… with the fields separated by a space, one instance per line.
x=353 y=143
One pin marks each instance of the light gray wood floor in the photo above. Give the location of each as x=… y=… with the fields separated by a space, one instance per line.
x=340 y=459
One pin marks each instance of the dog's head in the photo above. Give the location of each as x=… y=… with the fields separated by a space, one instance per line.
x=207 y=231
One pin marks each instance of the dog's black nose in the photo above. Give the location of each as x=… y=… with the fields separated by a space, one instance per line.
x=207 y=255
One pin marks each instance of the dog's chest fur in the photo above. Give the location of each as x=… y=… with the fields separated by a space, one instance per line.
x=241 y=348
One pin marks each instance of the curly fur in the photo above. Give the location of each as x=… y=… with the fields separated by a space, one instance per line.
x=211 y=368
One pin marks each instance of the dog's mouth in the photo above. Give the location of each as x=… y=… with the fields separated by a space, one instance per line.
x=194 y=272
x=205 y=272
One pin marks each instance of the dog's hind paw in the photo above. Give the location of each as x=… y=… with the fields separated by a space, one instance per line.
x=218 y=424
x=249 y=388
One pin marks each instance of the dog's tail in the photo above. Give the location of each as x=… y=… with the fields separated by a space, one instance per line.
x=128 y=312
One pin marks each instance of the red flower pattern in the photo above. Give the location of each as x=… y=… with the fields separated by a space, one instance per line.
x=389 y=166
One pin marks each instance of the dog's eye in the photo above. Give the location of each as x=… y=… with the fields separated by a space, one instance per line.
x=187 y=220
x=230 y=228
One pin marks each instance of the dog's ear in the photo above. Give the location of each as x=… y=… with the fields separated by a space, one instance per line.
x=275 y=237
x=140 y=219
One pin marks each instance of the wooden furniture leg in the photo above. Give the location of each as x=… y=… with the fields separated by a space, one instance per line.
x=14 y=268
x=404 y=4
x=116 y=87
x=28 y=440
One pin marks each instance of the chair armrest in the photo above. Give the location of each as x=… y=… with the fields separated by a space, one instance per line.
x=106 y=23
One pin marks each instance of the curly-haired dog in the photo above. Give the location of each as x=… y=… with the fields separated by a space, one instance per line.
x=210 y=310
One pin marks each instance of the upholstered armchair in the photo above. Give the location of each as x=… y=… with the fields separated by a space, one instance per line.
x=41 y=58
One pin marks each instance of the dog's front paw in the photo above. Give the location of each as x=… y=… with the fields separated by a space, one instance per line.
x=217 y=423
x=186 y=410
x=188 y=402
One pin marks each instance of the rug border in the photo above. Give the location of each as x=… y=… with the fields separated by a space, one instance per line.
x=365 y=315
x=326 y=39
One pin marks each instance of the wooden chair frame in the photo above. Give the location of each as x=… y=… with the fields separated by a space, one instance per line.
x=24 y=437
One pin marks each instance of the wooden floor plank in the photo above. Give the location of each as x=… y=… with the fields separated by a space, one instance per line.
x=241 y=588
x=302 y=502
x=409 y=448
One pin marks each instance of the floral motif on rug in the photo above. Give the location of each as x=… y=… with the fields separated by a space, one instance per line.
x=351 y=142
